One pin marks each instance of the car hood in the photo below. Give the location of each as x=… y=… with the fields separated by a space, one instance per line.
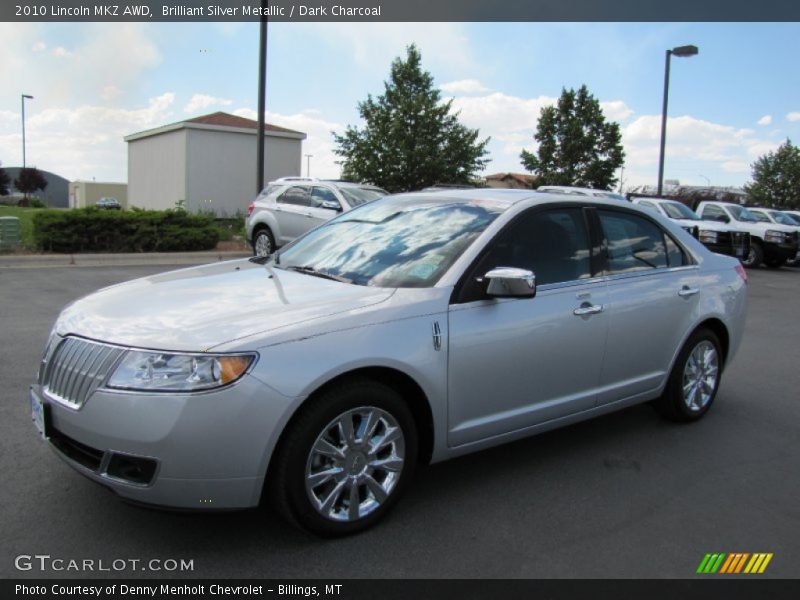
x=198 y=308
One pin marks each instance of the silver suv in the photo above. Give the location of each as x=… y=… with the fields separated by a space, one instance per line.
x=290 y=206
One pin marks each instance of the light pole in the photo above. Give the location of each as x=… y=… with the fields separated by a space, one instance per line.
x=262 y=95
x=24 y=97
x=708 y=181
x=308 y=165
x=680 y=51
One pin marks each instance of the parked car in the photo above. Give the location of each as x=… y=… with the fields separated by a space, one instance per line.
x=580 y=191
x=715 y=236
x=418 y=327
x=770 y=243
x=108 y=203
x=771 y=215
x=290 y=206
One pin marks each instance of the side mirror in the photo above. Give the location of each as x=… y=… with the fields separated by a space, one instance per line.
x=331 y=205
x=510 y=282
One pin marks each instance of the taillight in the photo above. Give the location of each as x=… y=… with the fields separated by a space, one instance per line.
x=742 y=273
x=250 y=208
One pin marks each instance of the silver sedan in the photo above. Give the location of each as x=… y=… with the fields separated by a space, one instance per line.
x=415 y=328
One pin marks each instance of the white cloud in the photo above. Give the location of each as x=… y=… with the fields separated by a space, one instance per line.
x=319 y=142
x=464 y=86
x=793 y=116
x=83 y=142
x=443 y=45
x=765 y=120
x=61 y=52
x=200 y=102
x=110 y=92
x=106 y=54
x=616 y=110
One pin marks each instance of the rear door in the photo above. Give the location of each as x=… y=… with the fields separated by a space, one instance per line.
x=653 y=289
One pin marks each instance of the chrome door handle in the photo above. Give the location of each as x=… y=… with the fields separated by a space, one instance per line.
x=686 y=292
x=588 y=309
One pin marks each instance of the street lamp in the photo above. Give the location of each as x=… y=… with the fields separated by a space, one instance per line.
x=308 y=165
x=262 y=95
x=24 y=96
x=680 y=51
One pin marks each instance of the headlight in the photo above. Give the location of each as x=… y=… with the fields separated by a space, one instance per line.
x=142 y=370
x=708 y=237
x=775 y=237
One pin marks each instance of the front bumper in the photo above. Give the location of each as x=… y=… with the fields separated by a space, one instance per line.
x=785 y=251
x=200 y=451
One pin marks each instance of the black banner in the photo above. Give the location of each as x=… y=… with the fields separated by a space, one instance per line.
x=399 y=10
x=695 y=589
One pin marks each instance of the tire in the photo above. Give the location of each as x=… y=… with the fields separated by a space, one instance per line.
x=755 y=256
x=263 y=242
x=318 y=470
x=774 y=262
x=694 y=380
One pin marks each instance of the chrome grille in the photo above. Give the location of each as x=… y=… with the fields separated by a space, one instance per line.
x=76 y=368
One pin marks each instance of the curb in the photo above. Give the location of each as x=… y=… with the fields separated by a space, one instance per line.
x=122 y=260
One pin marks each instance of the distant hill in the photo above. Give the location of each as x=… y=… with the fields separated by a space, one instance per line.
x=55 y=195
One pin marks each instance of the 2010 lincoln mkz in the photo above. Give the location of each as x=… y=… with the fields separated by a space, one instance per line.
x=413 y=329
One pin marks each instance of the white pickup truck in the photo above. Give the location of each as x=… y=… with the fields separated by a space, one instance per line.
x=717 y=237
x=770 y=243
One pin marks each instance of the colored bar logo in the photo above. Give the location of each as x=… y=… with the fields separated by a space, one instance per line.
x=735 y=563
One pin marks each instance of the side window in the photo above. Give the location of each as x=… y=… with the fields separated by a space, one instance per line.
x=634 y=243
x=552 y=243
x=296 y=195
x=675 y=256
x=320 y=195
x=712 y=213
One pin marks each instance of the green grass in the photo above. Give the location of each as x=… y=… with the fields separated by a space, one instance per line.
x=25 y=216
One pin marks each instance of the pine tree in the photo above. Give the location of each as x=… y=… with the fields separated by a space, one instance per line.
x=410 y=139
x=776 y=178
x=577 y=146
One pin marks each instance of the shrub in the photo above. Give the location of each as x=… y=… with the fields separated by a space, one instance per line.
x=93 y=230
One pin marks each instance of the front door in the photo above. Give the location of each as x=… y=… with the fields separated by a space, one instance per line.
x=517 y=362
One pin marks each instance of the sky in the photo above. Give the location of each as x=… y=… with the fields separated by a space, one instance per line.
x=94 y=83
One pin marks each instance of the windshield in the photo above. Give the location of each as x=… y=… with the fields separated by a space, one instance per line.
x=740 y=213
x=396 y=242
x=676 y=210
x=356 y=196
x=784 y=219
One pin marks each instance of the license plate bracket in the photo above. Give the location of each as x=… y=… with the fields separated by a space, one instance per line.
x=39 y=413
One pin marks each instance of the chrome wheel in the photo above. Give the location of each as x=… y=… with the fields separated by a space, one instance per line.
x=263 y=244
x=700 y=376
x=355 y=464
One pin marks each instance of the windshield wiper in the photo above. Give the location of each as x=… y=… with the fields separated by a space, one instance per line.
x=309 y=270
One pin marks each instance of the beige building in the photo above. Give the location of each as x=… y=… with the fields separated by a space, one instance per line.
x=86 y=193
x=207 y=163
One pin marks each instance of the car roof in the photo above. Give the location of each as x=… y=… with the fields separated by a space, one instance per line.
x=510 y=197
x=572 y=188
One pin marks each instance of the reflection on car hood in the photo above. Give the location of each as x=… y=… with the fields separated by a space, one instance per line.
x=198 y=308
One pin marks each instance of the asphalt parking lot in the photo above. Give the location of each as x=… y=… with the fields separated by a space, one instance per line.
x=627 y=495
